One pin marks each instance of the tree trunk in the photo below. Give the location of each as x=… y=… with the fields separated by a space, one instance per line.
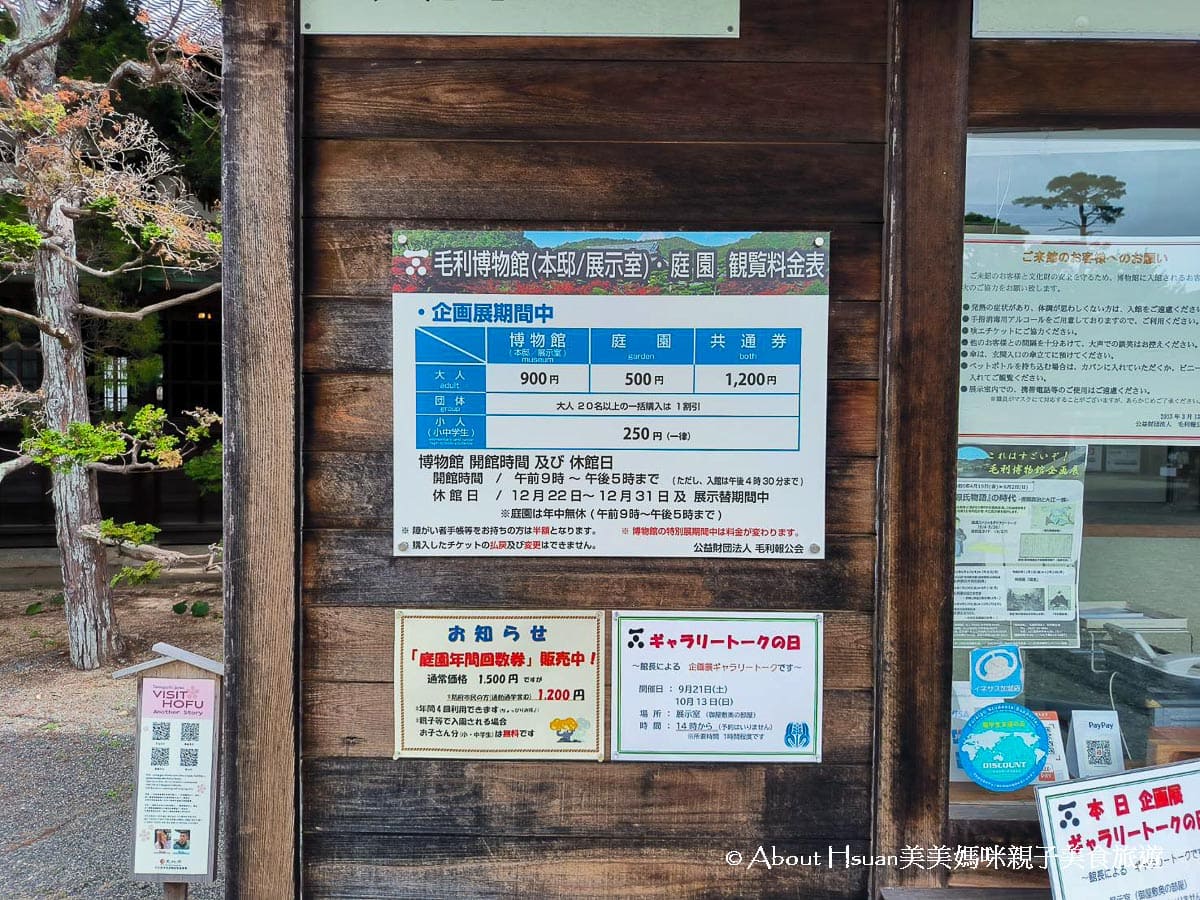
x=91 y=624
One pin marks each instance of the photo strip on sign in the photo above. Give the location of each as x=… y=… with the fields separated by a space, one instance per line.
x=610 y=393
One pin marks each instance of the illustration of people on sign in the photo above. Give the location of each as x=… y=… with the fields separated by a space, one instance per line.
x=565 y=729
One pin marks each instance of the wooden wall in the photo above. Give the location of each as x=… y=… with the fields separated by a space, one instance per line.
x=783 y=128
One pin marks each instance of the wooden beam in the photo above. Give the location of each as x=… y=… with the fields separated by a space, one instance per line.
x=922 y=290
x=260 y=338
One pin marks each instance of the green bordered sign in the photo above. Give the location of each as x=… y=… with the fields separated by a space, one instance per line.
x=717 y=687
x=525 y=18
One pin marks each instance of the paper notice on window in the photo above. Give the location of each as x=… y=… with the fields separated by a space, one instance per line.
x=1018 y=532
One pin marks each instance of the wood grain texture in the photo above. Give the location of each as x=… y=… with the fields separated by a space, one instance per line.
x=544 y=798
x=356 y=568
x=354 y=490
x=383 y=866
x=354 y=412
x=346 y=335
x=771 y=30
x=752 y=184
x=600 y=101
x=356 y=644
x=1085 y=84
x=352 y=257
x=354 y=719
x=261 y=439
x=922 y=306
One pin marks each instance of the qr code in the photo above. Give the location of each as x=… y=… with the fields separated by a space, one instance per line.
x=160 y=756
x=189 y=731
x=1099 y=753
x=161 y=731
x=189 y=757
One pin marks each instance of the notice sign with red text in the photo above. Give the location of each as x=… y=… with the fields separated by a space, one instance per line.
x=174 y=833
x=519 y=684
x=1134 y=835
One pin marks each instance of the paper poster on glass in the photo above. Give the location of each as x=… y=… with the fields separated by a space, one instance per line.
x=174 y=804
x=1018 y=533
x=717 y=687
x=610 y=393
x=1137 y=834
x=519 y=684
x=1090 y=339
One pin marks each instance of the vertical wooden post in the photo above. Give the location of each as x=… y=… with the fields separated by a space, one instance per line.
x=174 y=890
x=261 y=450
x=922 y=292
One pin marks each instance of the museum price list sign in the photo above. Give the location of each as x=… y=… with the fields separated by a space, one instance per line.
x=614 y=394
x=717 y=687
x=175 y=803
x=520 y=684
x=1133 y=835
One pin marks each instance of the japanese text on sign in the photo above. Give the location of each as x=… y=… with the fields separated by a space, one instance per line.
x=1134 y=835
x=717 y=687
x=563 y=394
x=520 y=684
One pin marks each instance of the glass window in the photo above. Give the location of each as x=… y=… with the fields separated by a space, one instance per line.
x=1077 y=533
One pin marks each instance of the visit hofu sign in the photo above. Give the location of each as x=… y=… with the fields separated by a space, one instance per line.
x=175 y=835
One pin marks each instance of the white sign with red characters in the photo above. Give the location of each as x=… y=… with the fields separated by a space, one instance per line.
x=717 y=687
x=1124 y=837
x=174 y=837
x=504 y=684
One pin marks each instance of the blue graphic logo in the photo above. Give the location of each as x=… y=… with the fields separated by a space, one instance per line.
x=1003 y=747
x=997 y=672
x=797 y=735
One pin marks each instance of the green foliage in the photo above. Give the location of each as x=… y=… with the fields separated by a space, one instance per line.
x=18 y=241
x=82 y=443
x=148 y=422
x=179 y=608
x=34 y=608
x=205 y=469
x=128 y=532
x=200 y=609
x=978 y=223
x=152 y=233
x=132 y=575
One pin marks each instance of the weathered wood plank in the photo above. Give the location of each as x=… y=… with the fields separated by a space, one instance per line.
x=353 y=335
x=354 y=490
x=368 y=866
x=356 y=644
x=355 y=413
x=753 y=185
x=352 y=257
x=343 y=718
x=1092 y=84
x=771 y=30
x=260 y=305
x=921 y=321
x=607 y=101
x=545 y=798
x=356 y=568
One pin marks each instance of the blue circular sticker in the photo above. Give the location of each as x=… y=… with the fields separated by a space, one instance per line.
x=1003 y=747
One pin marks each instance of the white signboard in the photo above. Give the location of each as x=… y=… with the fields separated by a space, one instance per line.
x=521 y=684
x=520 y=18
x=1087 y=19
x=174 y=833
x=1018 y=535
x=1134 y=835
x=717 y=687
x=1086 y=338
x=617 y=394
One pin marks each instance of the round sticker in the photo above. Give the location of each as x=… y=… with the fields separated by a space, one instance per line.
x=1003 y=747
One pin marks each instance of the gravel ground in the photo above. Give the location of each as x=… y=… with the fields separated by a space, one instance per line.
x=66 y=819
